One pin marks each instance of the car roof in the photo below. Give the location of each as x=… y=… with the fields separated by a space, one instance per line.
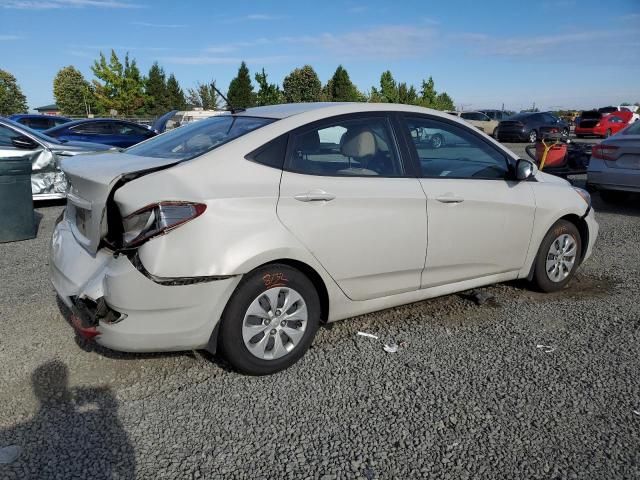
x=286 y=110
x=90 y=120
x=34 y=115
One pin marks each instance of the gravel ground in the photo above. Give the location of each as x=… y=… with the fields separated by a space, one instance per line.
x=468 y=395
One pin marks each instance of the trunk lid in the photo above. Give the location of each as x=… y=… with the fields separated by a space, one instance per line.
x=92 y=179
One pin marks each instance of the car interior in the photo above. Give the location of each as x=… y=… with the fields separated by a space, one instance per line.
x=351 y=149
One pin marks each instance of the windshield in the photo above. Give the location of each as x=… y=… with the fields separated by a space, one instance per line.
x=34 y=133
x=197 y=138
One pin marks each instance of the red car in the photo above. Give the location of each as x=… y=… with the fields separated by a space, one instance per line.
x=596 y=124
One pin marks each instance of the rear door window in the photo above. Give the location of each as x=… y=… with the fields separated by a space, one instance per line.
x=352 y=146
x=92 y=128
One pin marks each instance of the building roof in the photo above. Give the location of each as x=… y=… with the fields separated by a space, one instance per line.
x=52 y=107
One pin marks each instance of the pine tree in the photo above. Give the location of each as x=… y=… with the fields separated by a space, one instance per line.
x=73 y=94
x=157 y=96
x=268 y=93
x=428 y=93
x=302 y=85
x=240 y=93
x=444 y=102
x=340 y=88
x=175 y=94
x=12 y=100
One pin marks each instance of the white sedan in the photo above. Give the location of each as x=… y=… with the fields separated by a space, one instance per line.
x=246 y=232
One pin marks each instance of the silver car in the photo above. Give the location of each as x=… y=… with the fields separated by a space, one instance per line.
x=614 y=169
x=47 y=180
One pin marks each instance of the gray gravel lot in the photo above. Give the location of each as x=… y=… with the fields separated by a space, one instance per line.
x=468 y=395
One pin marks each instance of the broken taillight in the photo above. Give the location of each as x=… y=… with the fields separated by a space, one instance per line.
x=604 y=152
x=157 y=219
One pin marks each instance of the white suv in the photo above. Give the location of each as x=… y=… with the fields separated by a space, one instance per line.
x=247 y=231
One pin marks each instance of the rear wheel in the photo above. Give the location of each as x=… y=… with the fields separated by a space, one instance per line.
x=437 y=141
x=558 y=257
x=270 y=320
x=533 y=136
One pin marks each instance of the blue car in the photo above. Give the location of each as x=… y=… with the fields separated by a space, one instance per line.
x=38 y=122
x=107 y=131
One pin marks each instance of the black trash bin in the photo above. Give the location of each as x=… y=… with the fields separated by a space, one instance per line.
x=17 y=220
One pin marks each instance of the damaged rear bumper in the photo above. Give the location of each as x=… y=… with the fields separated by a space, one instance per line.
x=123 y=309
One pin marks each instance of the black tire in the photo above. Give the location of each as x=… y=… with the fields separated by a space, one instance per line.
x=437 y=141
x=540 y=276
x=230 y=339
x=613 y=196
x=533 y=136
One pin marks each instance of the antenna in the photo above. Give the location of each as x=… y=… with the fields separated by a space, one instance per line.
x=232 y=109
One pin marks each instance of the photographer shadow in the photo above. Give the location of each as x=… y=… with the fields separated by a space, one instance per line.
x=76 y=432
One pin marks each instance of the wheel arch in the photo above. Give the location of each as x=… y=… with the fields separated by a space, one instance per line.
x=583 y=229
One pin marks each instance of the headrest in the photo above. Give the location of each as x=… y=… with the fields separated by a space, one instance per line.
x=309 y=142
x=358 y=143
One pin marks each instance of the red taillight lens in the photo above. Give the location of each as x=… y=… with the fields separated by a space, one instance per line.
x=157 y=219
x=604 y=152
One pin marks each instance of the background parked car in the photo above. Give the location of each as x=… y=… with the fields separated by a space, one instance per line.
x=498 y=115
x=526 y=126
x=38 y=122
x=480 y=120
x=47 y=180
x=592 y=123
x=614 y=169
x=107 y=131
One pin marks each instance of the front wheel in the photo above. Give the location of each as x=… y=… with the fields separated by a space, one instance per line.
x=270 y=320
x=558 y=257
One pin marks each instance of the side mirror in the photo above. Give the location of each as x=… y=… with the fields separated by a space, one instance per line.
x=525 y=169
x=24 y=143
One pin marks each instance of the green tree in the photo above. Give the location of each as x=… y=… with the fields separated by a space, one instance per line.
x=444 y=102
x=340 y=88
x=268 y=93
x=240 y=93
x=407 y=94
x=157 y=96
x=388 y=92
x=12 y=100
x=302 y=85
x=203 y=96
x=428 y=94
x=175 y=94
x=73 y=94
x=122 y=87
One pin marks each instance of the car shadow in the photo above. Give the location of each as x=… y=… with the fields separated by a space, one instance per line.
x=76 y=432
x=629 y=206
x=91 y=346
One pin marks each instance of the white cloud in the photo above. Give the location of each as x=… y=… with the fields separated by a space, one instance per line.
x=220 y=60
x=391 y=41
x=58 y=4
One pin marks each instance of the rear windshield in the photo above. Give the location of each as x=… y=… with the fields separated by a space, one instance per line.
x=197 y=138
x=633 y=129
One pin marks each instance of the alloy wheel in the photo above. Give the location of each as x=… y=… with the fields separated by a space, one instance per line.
x=561 y=258
x=274 y=323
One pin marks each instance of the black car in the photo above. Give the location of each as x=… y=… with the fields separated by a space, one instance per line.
x=526 y=126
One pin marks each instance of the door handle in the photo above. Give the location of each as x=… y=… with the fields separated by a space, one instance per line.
x=449 y=198
x=315 y=196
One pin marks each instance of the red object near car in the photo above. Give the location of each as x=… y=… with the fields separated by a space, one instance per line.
x=596 y=124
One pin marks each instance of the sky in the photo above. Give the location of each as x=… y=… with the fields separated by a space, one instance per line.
x=554 y=53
